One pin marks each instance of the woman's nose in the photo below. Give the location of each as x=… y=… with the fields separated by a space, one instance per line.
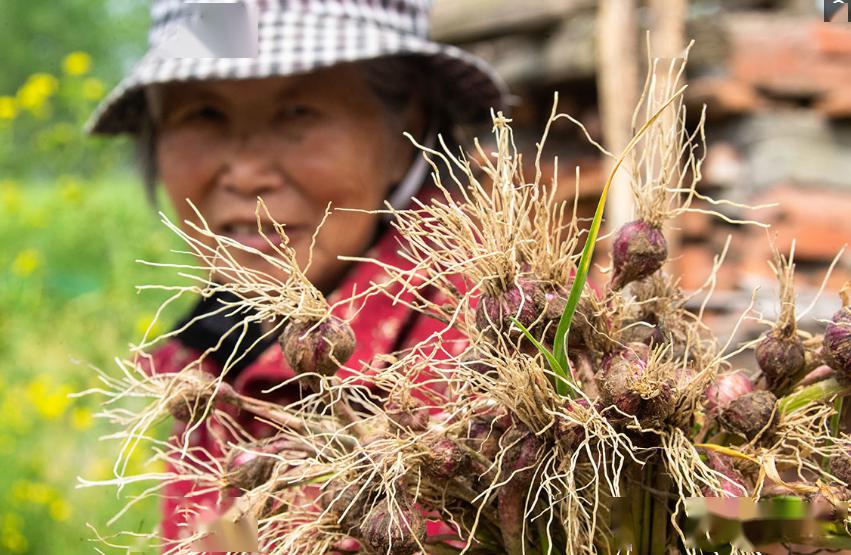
x=250 y=171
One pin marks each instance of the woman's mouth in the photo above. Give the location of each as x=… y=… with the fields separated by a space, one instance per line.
x=259 y=238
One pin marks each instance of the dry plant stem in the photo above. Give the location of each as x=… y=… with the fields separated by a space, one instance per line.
x=279 y=415
x=666 y=171
x=781 y=354
x=583 y=267
x=498 y=232
x=488 y=237
x=335 y=397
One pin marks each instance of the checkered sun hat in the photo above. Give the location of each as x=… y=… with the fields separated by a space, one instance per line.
x=298 y=36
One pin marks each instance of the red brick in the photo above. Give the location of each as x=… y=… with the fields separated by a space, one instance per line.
x=756 y=252
x=694 y=224
x=723 y=96
x=591 y=176
x=837 y=104
x=787 y=56
x=694 y=265
x=817 y=219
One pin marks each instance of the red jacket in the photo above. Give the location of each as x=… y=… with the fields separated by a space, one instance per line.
x=380 y=328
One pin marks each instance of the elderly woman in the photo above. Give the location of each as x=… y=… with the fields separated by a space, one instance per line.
x=316 y=117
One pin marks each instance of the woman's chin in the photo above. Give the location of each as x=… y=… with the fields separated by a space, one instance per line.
x=252 y=268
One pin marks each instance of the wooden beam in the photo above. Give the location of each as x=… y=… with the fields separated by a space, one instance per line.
x=468 y=20
x=617 y=94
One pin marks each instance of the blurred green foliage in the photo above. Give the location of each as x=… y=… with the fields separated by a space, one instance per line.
x=41 y=125
x=67 y=276
x=73 y=220
x=59 y=59
x=35 y=36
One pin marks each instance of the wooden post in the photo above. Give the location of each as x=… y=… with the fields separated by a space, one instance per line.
x=667 y=41
x=617 y=94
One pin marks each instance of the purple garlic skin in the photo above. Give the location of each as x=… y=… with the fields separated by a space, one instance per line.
x=250 y=468
x=518 y=463
x=638 y=250
x=250 y=471
x=618 y=371
x=185 y=408
x=732 y=482
x=317 y=351
x=473 y=360
x=683 y=376
x=190 y=398
x=569 y=433
x=524 y=302
x=840 y=466
x=750 y=414
x=837 y=344
x=781 y=359
x=822 y=507
x=555 y=301
x=618 y=381
x=724 y=389
x=446 y=459
x=820 y=373
x=387 y=529
x=407 y=416
x=347 y=502
x=648 y=330
x=483 y=436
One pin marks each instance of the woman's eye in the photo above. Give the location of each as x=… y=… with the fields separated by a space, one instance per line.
x=202 y=113
x=296 y=112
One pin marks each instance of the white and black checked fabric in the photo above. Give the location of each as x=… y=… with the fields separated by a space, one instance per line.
x=297 y=36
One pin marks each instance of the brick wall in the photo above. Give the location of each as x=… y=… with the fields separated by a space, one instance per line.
x=777 y=84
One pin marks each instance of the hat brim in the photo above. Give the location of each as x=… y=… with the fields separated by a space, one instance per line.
x=466 y=84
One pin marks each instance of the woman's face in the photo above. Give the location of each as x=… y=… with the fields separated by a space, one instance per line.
x=299 y=143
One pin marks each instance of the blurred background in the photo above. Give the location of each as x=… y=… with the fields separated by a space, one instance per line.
x=73 y=218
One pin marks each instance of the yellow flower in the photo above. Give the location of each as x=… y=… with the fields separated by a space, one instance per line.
x=43 y=83
x=71 y=192
x=8 y=107
x=11 y=522
x=10 y=533
x=39 y=494
x=60 y=510
x=15 y=542
x=81 y=418
x=30 y=98
x=53 y=405
x=93 y=88
x=10 y=195
x=35 y=92
x=143 y=322
x=27 y=262
x=77 y=63
x=50 y=400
